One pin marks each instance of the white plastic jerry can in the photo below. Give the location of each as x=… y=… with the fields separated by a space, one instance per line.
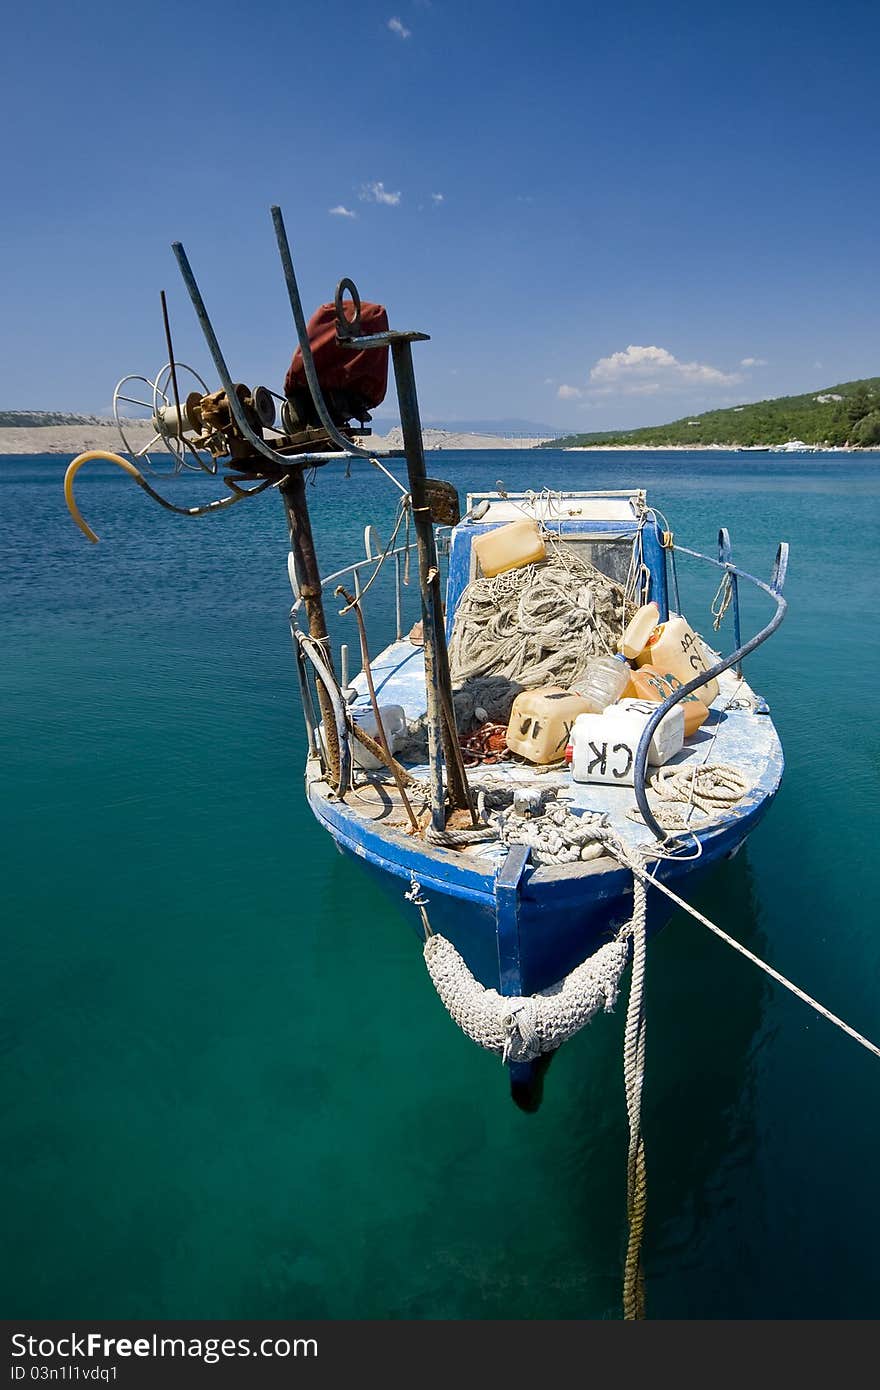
x=668 y=737
x=394 y=724
x=509 y=547
x=674 y=646
x=541 y=722
x=603 y=746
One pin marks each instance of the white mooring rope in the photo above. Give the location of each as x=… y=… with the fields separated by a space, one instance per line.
x=521 y=1028
x=756 y=960
x=633 y=1080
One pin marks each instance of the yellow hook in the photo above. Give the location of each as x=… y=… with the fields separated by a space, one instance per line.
x=71 y=473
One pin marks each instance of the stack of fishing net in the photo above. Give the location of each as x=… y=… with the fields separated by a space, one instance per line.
x=538 y=625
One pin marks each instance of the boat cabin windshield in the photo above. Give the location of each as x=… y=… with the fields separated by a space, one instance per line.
x=605 y=529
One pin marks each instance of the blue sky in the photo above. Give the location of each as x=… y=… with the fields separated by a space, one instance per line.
x=604 y=216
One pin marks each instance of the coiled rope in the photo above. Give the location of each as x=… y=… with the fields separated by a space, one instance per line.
x=710 y=787
x=514 y=816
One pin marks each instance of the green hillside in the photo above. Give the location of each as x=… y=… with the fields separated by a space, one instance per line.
x=848 y=414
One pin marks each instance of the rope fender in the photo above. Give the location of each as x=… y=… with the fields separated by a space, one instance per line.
x=519 y=1028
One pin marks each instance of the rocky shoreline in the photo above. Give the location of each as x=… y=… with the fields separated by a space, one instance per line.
x=76 y=439
x=71 y=439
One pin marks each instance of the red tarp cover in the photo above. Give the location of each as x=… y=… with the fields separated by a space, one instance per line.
x=364 y=373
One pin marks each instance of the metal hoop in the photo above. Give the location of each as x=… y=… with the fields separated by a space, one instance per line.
x=347 y=327
x=142 y=455
x=177 y=445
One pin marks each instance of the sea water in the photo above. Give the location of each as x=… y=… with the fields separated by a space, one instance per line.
x=229 y=1089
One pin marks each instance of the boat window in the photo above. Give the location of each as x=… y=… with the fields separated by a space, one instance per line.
x=610 y=555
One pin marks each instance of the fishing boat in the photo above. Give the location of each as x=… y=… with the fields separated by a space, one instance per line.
x=522 y=919
x=529 y=889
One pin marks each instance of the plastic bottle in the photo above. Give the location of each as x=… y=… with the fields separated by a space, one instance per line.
x=675 y=647
x=605 y=680
x=639 y=629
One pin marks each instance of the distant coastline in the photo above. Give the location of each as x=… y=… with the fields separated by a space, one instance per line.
x=844 y=418
x=69 y=440
x=774 y=449
x=846 y=415
x=100 y=434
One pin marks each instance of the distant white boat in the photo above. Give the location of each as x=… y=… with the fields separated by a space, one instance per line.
x=794 y=446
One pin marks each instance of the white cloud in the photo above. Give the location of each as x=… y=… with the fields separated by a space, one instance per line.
x=437 y=197
x=340 y=211
x=646 y=370
x=754 y=362
x=399 y=29
x=377 y=193
x=569 y=393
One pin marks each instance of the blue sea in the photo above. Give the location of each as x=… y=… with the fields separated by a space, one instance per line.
x=228 y=1088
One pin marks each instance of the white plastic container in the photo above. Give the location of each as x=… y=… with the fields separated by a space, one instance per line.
x=639 y=629
x=674 y=646
x=668 y=736
x=603 y=682
x=603 y=746
x=394 y=724
x=510 y=547
x=541 y=722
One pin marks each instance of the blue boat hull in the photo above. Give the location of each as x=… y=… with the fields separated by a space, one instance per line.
x=523 y=929
x=554 y=919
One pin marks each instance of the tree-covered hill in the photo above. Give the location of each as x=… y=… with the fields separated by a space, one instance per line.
x=844 y=414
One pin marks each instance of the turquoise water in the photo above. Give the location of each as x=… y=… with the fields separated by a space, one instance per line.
x=228 y=1088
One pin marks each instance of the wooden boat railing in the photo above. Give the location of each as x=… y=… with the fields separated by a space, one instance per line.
x=735 y=660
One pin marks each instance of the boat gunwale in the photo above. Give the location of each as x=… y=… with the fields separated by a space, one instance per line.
x=336 y=815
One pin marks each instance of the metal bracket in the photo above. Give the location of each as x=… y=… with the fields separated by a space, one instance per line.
x=507 y=905
x=725 y=555
x=780 y=568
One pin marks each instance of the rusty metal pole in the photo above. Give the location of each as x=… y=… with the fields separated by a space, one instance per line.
x=442 y=736
x=308 y=578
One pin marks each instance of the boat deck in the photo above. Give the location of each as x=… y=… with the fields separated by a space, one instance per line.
x=738 y=732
